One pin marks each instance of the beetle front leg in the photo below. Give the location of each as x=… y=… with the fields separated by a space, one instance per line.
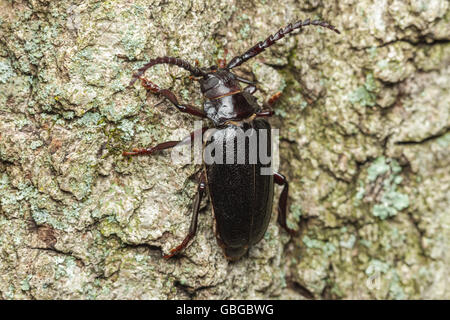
x=222 y=63
x=165 y=145
x=169 y=95
x=194 y=220
x=282 y=202
x=149 y=151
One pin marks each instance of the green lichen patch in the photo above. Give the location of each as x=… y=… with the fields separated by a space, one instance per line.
x=133 y=42
x=382 y=180
x=25 y=284
x=390 y=204
x=365 y=95
x=394 y=62
x=6 y=71
x=377 y=266
x=66 y=116
x=377 y=168
x=327 y=248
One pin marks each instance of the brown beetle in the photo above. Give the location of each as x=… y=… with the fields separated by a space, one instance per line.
x=241 y=196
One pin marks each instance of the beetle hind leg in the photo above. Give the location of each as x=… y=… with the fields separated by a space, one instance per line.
x=194 y=220
x=282 y=203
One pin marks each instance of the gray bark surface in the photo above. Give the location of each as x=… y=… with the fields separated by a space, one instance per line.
x=364 y=141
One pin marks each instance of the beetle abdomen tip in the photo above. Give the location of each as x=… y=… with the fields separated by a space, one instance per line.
x=233 y=254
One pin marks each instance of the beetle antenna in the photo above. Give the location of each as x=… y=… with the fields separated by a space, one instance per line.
x=195 y=71
x=262 y=45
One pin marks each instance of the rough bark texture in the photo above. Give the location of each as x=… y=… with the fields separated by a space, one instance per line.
x=364 y=123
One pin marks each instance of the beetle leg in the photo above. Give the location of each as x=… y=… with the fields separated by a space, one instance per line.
x=282 y=203
x=161 y=146
x=193 y=226
x=169 y=95
x=165 y=145
x=274 y=98
x=222 y=63
x=268 y=112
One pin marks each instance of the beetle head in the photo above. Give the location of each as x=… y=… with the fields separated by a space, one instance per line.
x=217 y=83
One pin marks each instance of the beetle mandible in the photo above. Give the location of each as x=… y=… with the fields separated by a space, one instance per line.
x=241 y=196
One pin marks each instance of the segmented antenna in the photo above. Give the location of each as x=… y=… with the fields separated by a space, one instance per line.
x=167 y=60
x=261 y=46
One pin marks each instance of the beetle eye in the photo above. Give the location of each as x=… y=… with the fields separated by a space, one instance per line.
x=210 y=83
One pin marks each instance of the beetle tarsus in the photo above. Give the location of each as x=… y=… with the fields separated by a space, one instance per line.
x=274 y=98
x=268 y=112
x=222 y=63
x=149 y=85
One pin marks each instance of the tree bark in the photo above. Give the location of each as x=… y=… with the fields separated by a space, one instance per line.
x=364 y=142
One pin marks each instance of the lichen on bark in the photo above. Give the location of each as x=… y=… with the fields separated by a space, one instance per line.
x=364 y=142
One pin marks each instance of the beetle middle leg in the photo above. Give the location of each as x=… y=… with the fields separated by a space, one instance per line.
x=193 y=227
x=282 y=202
x=165 y=145
x=169 y=95
x=267 y=111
